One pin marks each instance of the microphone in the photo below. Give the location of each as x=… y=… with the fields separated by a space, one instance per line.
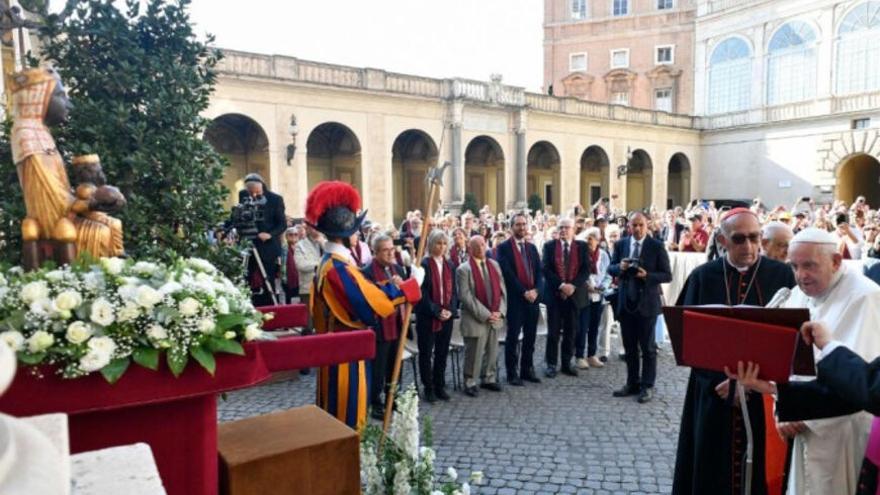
x=779 y=298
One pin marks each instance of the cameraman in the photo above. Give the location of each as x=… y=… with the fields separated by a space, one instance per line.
x=271 y=223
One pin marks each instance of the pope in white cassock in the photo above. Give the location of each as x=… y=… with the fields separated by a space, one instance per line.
x=828 y=453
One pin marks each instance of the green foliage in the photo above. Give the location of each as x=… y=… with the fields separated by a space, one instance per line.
x=139 y=80
x=470 y=203
x=535 y=203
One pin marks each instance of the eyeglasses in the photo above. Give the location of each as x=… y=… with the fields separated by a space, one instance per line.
x=754 y=238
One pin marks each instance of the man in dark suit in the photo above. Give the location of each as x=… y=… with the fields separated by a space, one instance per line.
x=642 y=264
x=268 y=238
x=565 y=263
x=524 y=280
x=383 y=270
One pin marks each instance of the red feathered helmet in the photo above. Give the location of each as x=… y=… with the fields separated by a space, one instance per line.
x=331 y=208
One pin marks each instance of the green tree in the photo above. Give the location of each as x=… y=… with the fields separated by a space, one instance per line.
x=470 y=203
x=139 y=80
x=535 y=203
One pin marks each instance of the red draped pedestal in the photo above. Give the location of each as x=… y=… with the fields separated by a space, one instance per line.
x=177 y=417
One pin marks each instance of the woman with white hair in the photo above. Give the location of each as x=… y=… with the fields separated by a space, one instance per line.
x=588 y=330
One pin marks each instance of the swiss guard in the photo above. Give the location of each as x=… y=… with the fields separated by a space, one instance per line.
x=342 y=299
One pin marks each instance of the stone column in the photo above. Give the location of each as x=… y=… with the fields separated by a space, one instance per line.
x=520 y=201
x=456 y=171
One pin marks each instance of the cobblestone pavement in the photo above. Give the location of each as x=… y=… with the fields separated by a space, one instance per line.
x=565 y=435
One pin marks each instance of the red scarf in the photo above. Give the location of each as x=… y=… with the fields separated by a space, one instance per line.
x=523 y=266
x=437 y=324
x=455 y=255
x=567 y=273
x=390 y=324
x=594 y=257
x=292 y=274
x=356 y=253
x=480 y=285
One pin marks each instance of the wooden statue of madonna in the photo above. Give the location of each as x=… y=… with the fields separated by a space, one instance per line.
x=60 y=223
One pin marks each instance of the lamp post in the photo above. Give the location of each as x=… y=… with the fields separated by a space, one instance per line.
x=293 y=130
x=624 y=169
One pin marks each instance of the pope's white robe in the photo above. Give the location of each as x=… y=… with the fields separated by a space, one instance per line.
x=826 y=458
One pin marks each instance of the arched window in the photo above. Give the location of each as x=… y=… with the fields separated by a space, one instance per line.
x=791 y=64
x=858 y=50
x=730 y=76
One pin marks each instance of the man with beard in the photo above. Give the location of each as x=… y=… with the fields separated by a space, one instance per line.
x=711 y=442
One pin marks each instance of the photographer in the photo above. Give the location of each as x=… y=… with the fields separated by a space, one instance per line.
x=851 y=240
x=259 y=219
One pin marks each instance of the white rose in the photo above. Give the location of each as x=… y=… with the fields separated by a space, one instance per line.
x=78 y=332
x=113 y=265
x=229 y=335
x=34 y=291
x=170 y=288
x=128 y=313
x=40 y=341
x=128 y=292
x=147 y=297
x=189 y=307
x=145 y=267
x=41 y=306
x=157 y=332
x=15 y=340
x=452 y=473
x=54 y=275
x=93 y=361
x=102 y=312
x=222 y=305
x=104 y=345
x=94 y=281
x=203 y=277
x=252 y=332
x=477 y=477
x=206 y=325
x=201 y=264
x=68 y=300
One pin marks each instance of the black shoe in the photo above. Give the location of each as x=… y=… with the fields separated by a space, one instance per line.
x=645 y=395
x=441 y=394
x=378 y=412
x=515 y=381
x=471 y=391
x=530 y=376
x=568 y=370
x=430 y=397
x=494 y=387
x=626 y=391
x=550 y=372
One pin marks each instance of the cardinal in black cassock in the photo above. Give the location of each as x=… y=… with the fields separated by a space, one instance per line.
x=712 y=439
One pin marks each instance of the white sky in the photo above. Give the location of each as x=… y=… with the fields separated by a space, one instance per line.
x=436 y=38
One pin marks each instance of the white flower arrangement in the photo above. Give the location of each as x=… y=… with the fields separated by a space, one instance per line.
x=100 y=316
x=403 y=467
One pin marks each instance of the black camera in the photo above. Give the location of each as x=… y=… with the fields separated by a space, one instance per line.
x=841 y=218
x=246 y=215
x=633 y=266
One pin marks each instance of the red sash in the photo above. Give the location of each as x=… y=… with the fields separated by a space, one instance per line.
x=455 y=255
x=567 y=273
x=480 y=285
x=390 y=324
x=523 y=266
x=437 y=324
x=292 y=274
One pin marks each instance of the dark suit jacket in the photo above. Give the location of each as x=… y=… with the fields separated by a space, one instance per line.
x=552 y=280
x=426 y=307
x=274 y=222
x=655 y=260
x=515 y=290
x=845 y=384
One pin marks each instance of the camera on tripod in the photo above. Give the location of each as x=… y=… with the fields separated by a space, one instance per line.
x=246 y=215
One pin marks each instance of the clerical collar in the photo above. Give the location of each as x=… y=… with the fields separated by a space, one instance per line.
x=741 y=269
x=337 y=249
x=835 y=281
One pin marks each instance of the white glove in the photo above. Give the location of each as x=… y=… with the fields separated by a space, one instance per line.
x=418 y=273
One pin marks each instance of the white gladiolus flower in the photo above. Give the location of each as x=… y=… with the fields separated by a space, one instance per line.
x=401 y=479
x=466 y=488
x=40 y=341
x=147 y=297
x=102 y=312
x=2 y=279
x=93 y=361
x=189 y=307
x=222 y=306
x=14 y=339
x=128 y=313
x=103 y=345
x=157 y=332
x=252 y=332
x=68 y=300
x=34 y=291
x=452 y=473
x=206 y=325
x=113 y=265
x=78 y=332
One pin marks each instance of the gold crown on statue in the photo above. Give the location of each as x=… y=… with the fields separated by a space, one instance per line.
x=85 y=159
x=29 y=77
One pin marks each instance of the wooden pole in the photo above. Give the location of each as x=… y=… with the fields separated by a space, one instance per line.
x=407 y=314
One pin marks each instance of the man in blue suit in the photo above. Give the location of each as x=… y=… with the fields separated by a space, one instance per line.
x=521 y=267
x=641 y=264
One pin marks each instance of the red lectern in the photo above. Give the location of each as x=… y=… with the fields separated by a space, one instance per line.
x=177 y=417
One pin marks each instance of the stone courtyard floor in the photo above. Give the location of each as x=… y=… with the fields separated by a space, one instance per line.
x=565 y=435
